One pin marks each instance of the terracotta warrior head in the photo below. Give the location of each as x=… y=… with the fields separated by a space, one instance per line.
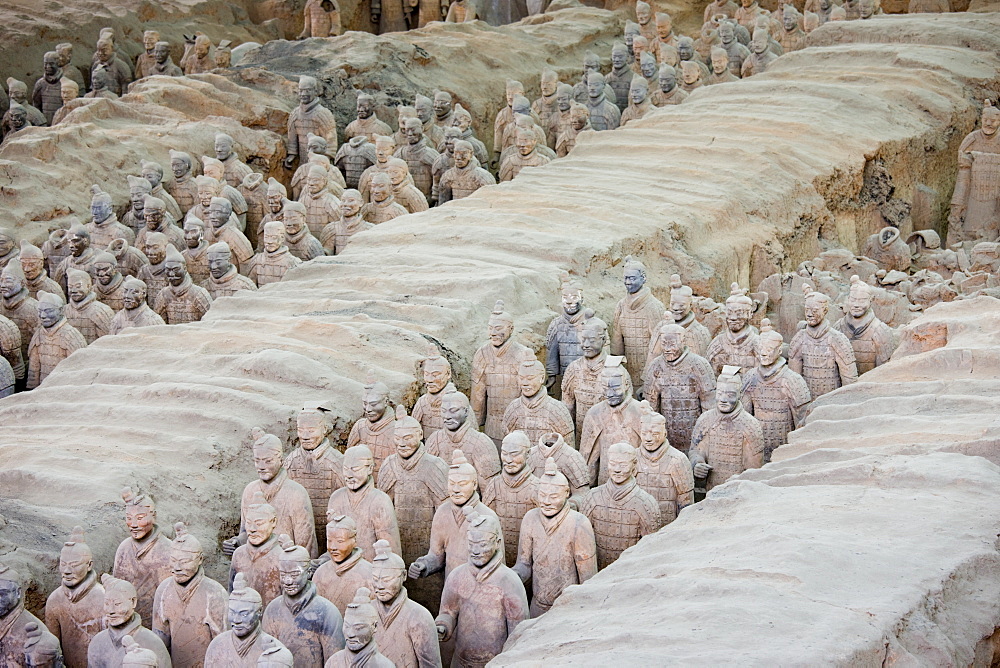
x=648 y=67
x=152 y=172
x=407 y=434
x=728 y=389
x=593 y=335
x=350 y=203
x=816 y=307
x=403 y=112
x=76 y=560
x=219 y=255
x=194 y=233
x=65 y=52
x=100 y=79
x=153 y=211
x=360 y=621
x=619 y=56
x=454 y=408
x=341 y=538
x=572 y=294
x=525 y=141
x=208 y=188
x=17 y=89
x=161 y=52
x=672 y=341
x=133 y=291
x=643 y=12
x=308 y=90
x=138 y=190
x=463 y=153
x=79 y=285
x=140 y=511
x=388 y=572
x=31 y=259
x=267 y=459
x=652 y=428
x=690 y=72
x=155 y=248
x=276 y=195
x=451 y=135
x=484 y=537
x=202 y=45
x=720 y=60
x=293 y=567
x=769 y=344
x=374 y=398
x=501 y=325
x=462 y=479
x=990 y=119
x=634 y=275
x=424 y=107
x=548 y=83
x=398 y=170
x=564 y=97
x=275 y=655
x=381 y=187
x=514 y=452
x=759 y=43
x=553 y=490
x=186 y=555
x=119 y=601
x=11 y=280
x=274 y=236
x=313 y=427
x=595 y=85
x=68 y=90
x=358 y=466
x=245 y=607
x=365 y=105
x=463 y=119
x=664 y=25
x=860 y=298
x=681 y=298
x=513 y=88
x=50 y=66
x=640 y=45
x=790 y=18
x=638 y=89
x=18 y=117
x=385 y=147
x=622 y=459
x=181 y=164
x=727 y=32
x=616 y=381
x=739 y=308
x=220 y=210
x=176 y=267
x=213 y=168
x=531 y=378
x=50 y=308
x=436 y=371
x=261 y=519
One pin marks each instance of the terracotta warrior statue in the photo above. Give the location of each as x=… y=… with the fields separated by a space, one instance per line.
x=316 y=465
x=760 y=57
x=727 y=440
x=163 y=64
x=871 y=339
x=42 y=649
x=370 y=507
x=638 y=99
x=195 y=252
x=104 y=226
x=495 y=373
x=20 y=309
x=404 y=192
x=245 y=642
x=156 y=219
x=737 y=345
x=436 y=372
x=320 y=18
x=310 y=626
x=300 y=241
x=620 y=511
x=535 y=412
x=197 y=58
x=696 y=335
x=604 y=115
x=144 y=61
x=130 y=259
x=257 y=558
x=579 y=120
x=12 y=368
x=53 y=341
x=505 y=116
x=512 y=493
x=153 y=172
x=254 y=193
x=721 y=73
x=47 y=94
x=181 y=301
x=54 y=249
x=383 y=206
x=465 y=177
x=224 y=225
x=337 y=579
x=322 y=206
x=613 y=420
x=557 y=547
x=87 y=315
x=773 y=393
x=463 y=121
x=309 y=117
x=406 y=634
x=792 y=37
x=483 y=600
x=353 y=158
x=443 y=109
x=361 y=623
x=101 y=85
x=81 y=254
x=423 y=109
x=135 y=310
x=366 y=123
x=621 y=74
x=419 y=156
x=977 y=186
x=107 y=649
x=189 y=608
x=375 y=427
x=636 y=319
x=582 y=386
x=385 y=148
x=18 y=92
x=448 y=546
x=389 y=16
x=691 y=74
x=663 y=470
x=680 y=385
x=545 y=106
x=14 y=120
x=525 y=154
x=33 y=267
x=336 y=235
x=144 y=557
x=271 y=264
x=738 y=53
x=287 y=498
x=74 y=612
x=416 y=483
x=183 y=188
x=822 y=355
x=459 y=433
x=562 y=339
x=18 y=627
x=888 y=250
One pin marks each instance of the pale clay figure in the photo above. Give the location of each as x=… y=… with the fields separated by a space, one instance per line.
x=436 y=372
x=20 y=630
x=661 y=469
x=74 y=612
x=370 y=507
x=483 y=600
x=419 y=156
x=721 y=72
x=669 y=92
x=273 y=262
x=53 y=341
x=19 y=308
x=423 y=109
x=83 y=311
x=144 y=557
x=515 y=491
x=773 y=393
x=737 y=344
x=621 y=74
x=197 y=57
x=144 y=61
x=336 y=235
x=300 y=241
x=535 y=412
x=613 y=420
x=604 y=115
x=383 y=206
x=374 y=428
x=257 y=559
x=189 y=608
x=243 y=644
x=153 y=172
x=361 y=623
x=404 y=192
x=135 y=310
x=579 y=121
x=871 y=339
x=459 y=433
x=353 y=158
x=33 y=267
x=309 y=117
x=181 y=300
x=822 y=355
x=366 y=123
x=636 y=318
x=385 y=148
x=337 y=579
x=121 y=621
x=104 y=226
x=494 y=373
x=322 y=206
x=638 y=101
x=183 y=188
x=465 y=177
x=727 y=440
x=320 y=18
x=760 y=57
x=888 y=250
x=196 y=252
x=620 y=511
x=316 y=465
x=582 y=387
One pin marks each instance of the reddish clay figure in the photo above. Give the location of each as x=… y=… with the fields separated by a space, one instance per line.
x=535 y=412
x=483 y=600
x=42 y=649
x=620 y=511
x=74 y=612
x=505 y=116
x=526 y=154
x=53 y=341
x=871 y=339
x=289 y=499
x=737 y=345
x=316 y=465
x=337 y=580
x=416 y=483
x=20 y=309
x=320 y=18
x=183 y=188
x=257 y=559
x=244 y=644
x=374 y=429
x=773 y=393
x=385 y=147
x=459 y=434
x=310 y=626
x=613 y=420
x=223 y=279
x=636 y=318
x=663 y=470
x=21 y=632
x=274 y=261
x=197 y=58
x=557 y=547
x=760 y=57
x=135 y=311
x=680 y=385
x=405 y=193
x=449 y=545
x=570 y=462
x=84 y=312
x=406 y=634
x=888 y=250
x=107 y=649
x=494 y=373
x=189 y=609
x=360 y=625
x=721 y=72
x=383 y=206
x=353 y=158
x=515 y=491
x=196 y=249
x=369 y=506
x=977 y=186
x=638 y=99
x=437 y=374
x=820 y=353
x=696 y=336
x=726 y=440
